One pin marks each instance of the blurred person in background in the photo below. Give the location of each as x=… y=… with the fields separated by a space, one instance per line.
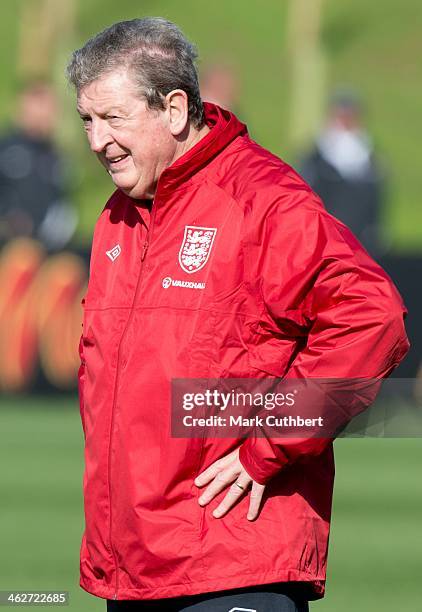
x=343 y=170
x=220 y=85
x=212 y=259
x=32 y=174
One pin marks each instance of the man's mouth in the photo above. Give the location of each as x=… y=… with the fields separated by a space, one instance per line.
x=115 y=162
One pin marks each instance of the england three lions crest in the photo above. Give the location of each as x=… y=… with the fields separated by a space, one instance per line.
x=196 y=247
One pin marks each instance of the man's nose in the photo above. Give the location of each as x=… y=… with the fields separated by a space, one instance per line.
x=99 y=136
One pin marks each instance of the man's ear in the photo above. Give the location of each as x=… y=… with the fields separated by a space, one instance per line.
x=177 y=109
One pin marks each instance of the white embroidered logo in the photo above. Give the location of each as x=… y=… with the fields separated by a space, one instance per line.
x=196 y=247
x=114 y=252
x=172 y=282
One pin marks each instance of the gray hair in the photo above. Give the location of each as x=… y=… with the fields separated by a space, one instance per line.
x=154 y=50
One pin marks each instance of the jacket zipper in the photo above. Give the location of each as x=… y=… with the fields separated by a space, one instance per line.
x=116 y=385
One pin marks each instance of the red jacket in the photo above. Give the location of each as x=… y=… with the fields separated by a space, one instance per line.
x=281 y=288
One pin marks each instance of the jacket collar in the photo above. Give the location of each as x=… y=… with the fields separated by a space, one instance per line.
x=224 y=127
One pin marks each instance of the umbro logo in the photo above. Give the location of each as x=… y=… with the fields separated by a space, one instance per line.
x=114 y=252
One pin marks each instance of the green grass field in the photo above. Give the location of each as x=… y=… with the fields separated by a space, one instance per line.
x=376 y=540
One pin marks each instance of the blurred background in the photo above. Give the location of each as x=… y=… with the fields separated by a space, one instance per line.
x=335 y=89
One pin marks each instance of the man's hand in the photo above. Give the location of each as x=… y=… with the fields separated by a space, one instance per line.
x=219 y=475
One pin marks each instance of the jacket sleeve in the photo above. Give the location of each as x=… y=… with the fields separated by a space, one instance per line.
x=81 y=382
x=353 y=311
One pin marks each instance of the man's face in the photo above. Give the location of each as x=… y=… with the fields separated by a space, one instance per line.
x=132 y=142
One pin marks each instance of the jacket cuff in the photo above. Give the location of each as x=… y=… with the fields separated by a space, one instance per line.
x=261 y=460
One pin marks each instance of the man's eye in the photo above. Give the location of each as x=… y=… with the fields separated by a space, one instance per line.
x=113 y=118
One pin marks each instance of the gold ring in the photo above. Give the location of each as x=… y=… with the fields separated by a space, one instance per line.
x=240 y=486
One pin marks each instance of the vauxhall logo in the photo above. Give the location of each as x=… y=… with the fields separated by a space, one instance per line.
x=171 y=282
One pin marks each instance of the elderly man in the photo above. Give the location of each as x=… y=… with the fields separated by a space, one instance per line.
x=212 y=259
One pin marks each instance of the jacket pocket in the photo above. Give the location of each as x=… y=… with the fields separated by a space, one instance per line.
x=275 y=345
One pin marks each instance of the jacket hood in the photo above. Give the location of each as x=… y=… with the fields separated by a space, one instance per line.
x=224 y=127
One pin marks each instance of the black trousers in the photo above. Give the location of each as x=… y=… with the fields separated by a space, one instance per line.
x=250 y=599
